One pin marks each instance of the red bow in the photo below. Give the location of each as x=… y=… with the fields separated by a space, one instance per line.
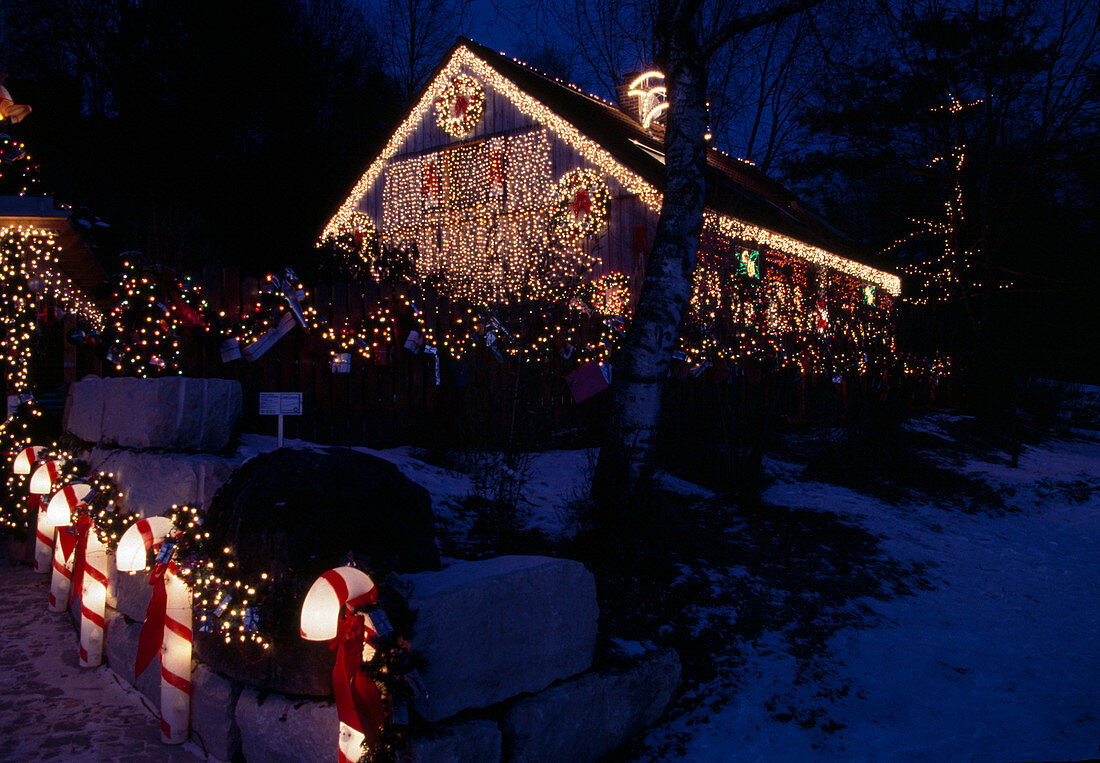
x=152 y=630
x=358 y=700
x=188 y=315
x=581 y=203
x=462 y=104
x=430 y=185
x=77 y=540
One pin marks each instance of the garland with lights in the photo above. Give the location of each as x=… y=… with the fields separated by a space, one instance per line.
x=581 y=205
x=20 y=507
x=153 y=306
x=459 y=107
x=282 y=303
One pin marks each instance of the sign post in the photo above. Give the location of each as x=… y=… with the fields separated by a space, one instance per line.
x=280 y=404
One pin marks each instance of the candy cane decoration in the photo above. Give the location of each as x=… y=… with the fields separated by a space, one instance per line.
x=46 y=476
x=328 y=614
x=59 y=511
x=25 y=459
x=43 y=539
x=167 y=622
x=61 y=581
x=90 y=568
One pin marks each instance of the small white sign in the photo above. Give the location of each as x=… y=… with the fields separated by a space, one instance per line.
x=280 y=403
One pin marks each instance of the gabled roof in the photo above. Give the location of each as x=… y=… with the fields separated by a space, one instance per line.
x=75 y=270
x=741 y=200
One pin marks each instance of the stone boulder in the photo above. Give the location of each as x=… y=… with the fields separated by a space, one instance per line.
x=294 y=514
x=305 y=510
x=152 y=482
x=464 y=742
x=213 y=713
x=176 y=413
x=587 y=717
x=493 y=629
x=276 y=729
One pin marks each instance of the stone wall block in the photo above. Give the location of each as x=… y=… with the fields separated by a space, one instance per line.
x=127 y=403
x=493 y=629
x=152 y=482
x=466 y=742
x=84 y=409
x=585 y=718
x=120 y=649
x=223 y=403
x=213 y=712
x=174 y=413
x=128 y=593
x=275 y=729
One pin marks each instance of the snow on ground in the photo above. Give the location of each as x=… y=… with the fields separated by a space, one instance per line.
x=998 y=661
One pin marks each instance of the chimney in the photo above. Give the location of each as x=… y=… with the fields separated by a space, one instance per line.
x=628 y=103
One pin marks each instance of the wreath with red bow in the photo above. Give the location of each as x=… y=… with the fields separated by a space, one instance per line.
x=581 y=203
x=460 y=106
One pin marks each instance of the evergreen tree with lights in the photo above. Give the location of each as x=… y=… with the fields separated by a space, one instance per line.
x=153 y=307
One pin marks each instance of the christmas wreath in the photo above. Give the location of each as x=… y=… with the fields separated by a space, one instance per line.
x=460 y=106
x=581 y=204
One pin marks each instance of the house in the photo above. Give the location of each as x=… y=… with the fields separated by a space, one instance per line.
x=61 y=270
x=512 y=185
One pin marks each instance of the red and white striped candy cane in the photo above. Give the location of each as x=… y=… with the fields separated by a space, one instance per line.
x=60 y=509
x=93 y=602
x=61 y=582
x=45 y=477
x=25 y=459
x=167 y=625
x=328 y=615
x=43 y=536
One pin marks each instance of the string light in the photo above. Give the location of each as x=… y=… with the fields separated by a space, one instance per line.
x=595 y=155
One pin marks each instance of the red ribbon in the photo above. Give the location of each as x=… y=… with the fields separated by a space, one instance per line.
x=188 y=315
x=496 y=170
x=430 y=185
x=152 y=630
x=358 y=701
x=462 y=104
x=81 y=527
x=581 y=203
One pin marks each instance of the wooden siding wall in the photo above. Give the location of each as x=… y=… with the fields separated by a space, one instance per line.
x=613 y=249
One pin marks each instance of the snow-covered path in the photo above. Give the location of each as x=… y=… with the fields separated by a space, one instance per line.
x=999 y=661
x=50 y=709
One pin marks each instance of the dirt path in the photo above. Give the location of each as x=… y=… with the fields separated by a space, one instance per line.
x=50 y=709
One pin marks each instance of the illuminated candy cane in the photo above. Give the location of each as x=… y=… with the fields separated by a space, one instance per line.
x=328 y=614
x=89 y=568
x=167 y=625
x=45 y=477
x=25 y=459
x=61 y=582
x=43 y=539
